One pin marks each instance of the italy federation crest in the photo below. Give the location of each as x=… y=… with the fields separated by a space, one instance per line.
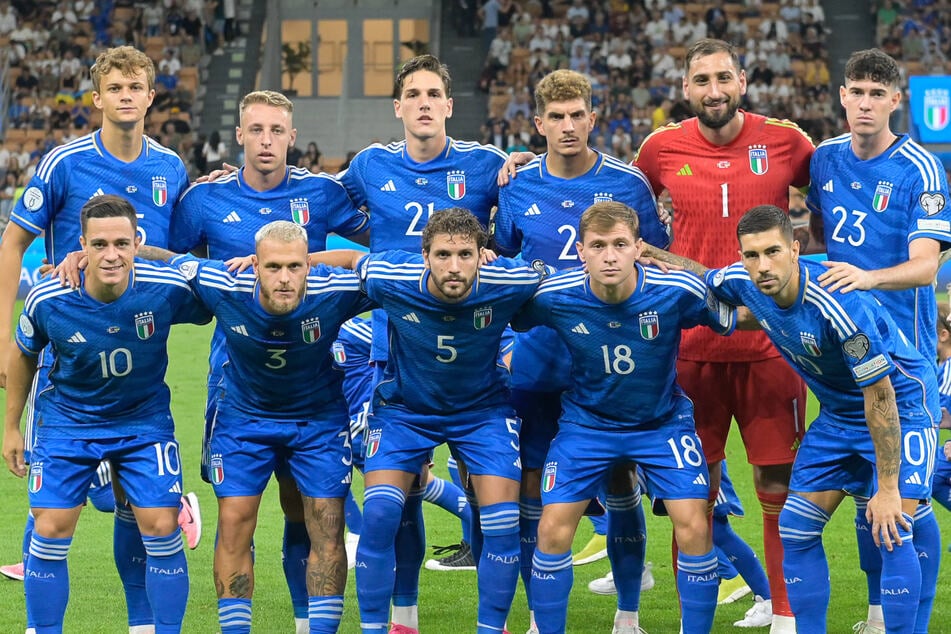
x=159 y=191
x=482 y=317
x=456 y=184
x=145 y=325
x=36 y=477
x=883 y=191
x=310 y=329
x=373 y=442
x=649 y=324
x=339 y=352
x=759 y=161
x=548 y=480
x=217 y=470
x=300 y=211
x=809 y=343
x=937 y=104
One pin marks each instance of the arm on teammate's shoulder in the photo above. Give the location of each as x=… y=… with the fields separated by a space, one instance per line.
x=149 y=252
x=919 y=269
x=20 y=370
x=343 y=258
x=15 y=241
x=679 y=261
x=512 y=163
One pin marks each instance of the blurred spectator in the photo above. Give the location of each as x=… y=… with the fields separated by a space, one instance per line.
x=519 y=104
x=153 y=16
x=311 y=158
x=8 y=18
x=214 y=152
x=489 y=14
x=64 y=17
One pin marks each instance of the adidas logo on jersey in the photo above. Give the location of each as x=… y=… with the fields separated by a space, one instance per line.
x=685 y=170
x=176 y=488
x=240 y=329
x=232 y=217
x=828 y=186
x=98 y=192
x=700 y=480
x=533 y=210
x=913 y=479
x=411 y=317
x=390 y=186
x=581 y=329
x=77 y=338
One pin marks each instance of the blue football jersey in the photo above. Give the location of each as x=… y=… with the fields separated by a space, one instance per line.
x=226 y=213
x=538 y=217
x=351 y=354
x=402 y=194
x=872 y=210
x=623 y=356
x=109 y=375
x=279 y=366
x=839 y=343
x=71 y=174
x=444 y=356
x=539 y=212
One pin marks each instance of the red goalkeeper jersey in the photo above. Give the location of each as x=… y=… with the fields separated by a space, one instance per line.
x=711 y=187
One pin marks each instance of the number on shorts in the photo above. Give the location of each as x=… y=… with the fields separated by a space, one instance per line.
x=166 y=457
x=688 y=452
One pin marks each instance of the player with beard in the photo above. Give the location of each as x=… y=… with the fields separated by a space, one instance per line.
x=715 y=166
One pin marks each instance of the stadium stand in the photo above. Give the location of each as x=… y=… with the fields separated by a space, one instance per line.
x=634 y=54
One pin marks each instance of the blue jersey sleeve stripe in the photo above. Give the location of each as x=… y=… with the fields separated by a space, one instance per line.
x=560 y=284
x=54 y=156
x=42 y=293
x=831 y=310
x=925 y=162
x=145 y=278
x=27 y=351
x=26 y=224
x=679 y=282
x=837 y=140
x=362 y=331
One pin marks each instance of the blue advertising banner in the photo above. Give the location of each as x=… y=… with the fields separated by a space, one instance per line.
x=931 y=108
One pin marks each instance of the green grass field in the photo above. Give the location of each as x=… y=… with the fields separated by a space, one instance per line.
x=447 y=599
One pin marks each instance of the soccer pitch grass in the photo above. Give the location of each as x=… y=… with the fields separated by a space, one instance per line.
x=447 y=599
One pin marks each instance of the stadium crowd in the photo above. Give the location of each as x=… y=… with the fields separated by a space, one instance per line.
x=633 y=52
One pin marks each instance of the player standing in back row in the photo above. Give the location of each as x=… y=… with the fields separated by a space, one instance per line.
x=716 y=166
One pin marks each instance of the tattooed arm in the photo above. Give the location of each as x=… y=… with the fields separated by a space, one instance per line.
x=667 y=257
x=884 y=508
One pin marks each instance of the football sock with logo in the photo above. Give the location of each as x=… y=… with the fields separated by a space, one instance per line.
x=530 y=512
x=46 y=581
x=130 y=556
x=325 y=614
x=499 y=566
x=234 y=616
x=805 y=566
x=928 y=545
x=166 y=580
x=410 y=552
x=552 y=578
x=448 y=496
x=295 y=548
x=697 y=584
x=901 y=582
x=376 y=555
x=627 y=547
x=739 y=557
